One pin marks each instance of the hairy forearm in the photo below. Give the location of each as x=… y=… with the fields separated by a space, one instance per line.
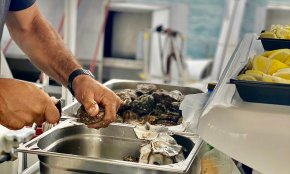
x=45 y=48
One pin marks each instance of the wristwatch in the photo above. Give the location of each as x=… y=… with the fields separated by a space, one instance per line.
x=73 y=75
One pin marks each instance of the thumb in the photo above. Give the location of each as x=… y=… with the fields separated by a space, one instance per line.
x=91 y=107
x=51 y=113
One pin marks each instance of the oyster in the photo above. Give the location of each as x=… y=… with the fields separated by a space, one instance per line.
x=148 y=131
x=170 y=116
x=145 y=89
x=165 y=97
x=175 y=106
x=145 y=152
x=119 y=119
x=129 y=115
x=84 y=117
x=165 y=145
x=151 y=119
x=167 y=122
x=178 y=158
x=162 y=148
x=127 y=96
x=130 y=158
x=159 y=109
x=159 y=159
x=147 y=157
x=143 y=104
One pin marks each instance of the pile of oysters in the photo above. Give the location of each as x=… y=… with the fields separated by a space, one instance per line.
x=149 y=104
x=146 y=104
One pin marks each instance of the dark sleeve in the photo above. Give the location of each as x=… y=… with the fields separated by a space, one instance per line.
x=17 y=5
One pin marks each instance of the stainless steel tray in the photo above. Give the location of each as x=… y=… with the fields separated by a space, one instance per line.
x=73 y=148
x=117 y=84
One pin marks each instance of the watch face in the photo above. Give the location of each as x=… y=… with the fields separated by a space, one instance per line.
x=89 y=73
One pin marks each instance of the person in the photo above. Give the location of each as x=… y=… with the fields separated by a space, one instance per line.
x=22 y=103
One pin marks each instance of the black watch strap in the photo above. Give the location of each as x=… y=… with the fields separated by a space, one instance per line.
x=74 y=74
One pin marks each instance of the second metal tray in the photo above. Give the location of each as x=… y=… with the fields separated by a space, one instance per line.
x=74 y=148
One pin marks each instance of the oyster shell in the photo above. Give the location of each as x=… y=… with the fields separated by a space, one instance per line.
x=127 y=96
x=129 y=116
x=143 y=104
x=145 y=89
x=145 y=152
x=151 y=119
x=165 y=97
x=159 y=109
x=175 y=106
x=148 y=131
x=167 y=122
x=162 y=148
x=84 y=117
x=130 y=158
x=159 y=159
x=178 y=158
x=147 y=157
x=165 y=145
x=119 y=119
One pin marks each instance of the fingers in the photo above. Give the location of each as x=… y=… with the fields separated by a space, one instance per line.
x=110 y=112
x=111 y=106
x=90 y=105
x=51 y=113
x=53 y=99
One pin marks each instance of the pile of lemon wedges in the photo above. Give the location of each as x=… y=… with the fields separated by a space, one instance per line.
x=270 y=66
x=277 y=32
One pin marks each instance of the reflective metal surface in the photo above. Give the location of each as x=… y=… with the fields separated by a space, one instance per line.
x=74 y=148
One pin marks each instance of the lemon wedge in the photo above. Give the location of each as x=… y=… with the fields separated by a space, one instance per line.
x=280 y=80
x=275 y=66
x=246 y=77
x=268 y=53
x=284 y=70
x=255 y=73
x=266 y=78
x=281 y=54
x=268 y=34
x=267 y=66
x=261 y=63
x=287 y=61
x=282 y=33
x=283 y=75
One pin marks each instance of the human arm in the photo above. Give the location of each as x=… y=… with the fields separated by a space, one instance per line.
x=37 y=38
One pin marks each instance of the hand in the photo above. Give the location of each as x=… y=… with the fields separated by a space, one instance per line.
x=22 y=104
x=91 y=94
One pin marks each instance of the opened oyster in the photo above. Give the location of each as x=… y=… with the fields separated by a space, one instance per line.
x=148 y=131
x=162 y=149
